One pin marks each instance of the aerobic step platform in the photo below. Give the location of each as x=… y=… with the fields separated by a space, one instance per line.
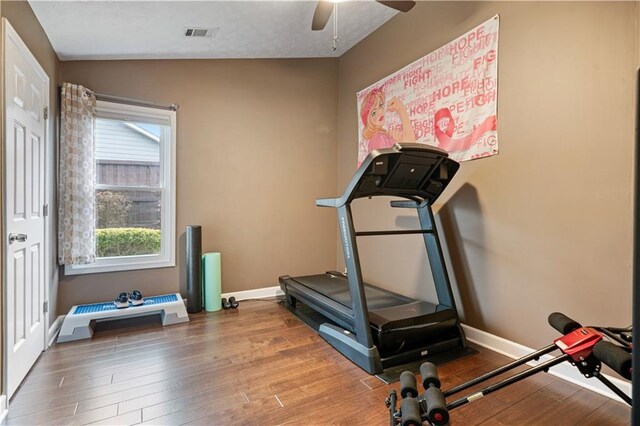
x=79 y=322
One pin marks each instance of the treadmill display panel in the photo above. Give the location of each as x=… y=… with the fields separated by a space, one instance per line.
x=419 y=173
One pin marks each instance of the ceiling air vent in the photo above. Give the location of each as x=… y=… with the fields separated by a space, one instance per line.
x=200 y=32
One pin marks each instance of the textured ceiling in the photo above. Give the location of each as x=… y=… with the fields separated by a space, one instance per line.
x=247 y=29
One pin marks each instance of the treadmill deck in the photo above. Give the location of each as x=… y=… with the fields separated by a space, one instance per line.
x=386 y=309
x=336 y=287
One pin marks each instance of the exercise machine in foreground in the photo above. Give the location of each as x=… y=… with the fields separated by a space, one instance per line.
x=584 y=347
x=373 y=327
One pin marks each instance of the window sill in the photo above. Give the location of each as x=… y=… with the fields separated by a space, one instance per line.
x=119 y=264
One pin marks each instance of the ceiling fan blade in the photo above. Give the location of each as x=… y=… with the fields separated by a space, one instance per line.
x=402 y=6
x=321 y=15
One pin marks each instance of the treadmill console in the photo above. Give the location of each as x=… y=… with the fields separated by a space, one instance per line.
x=415 y=171
x=380 y=166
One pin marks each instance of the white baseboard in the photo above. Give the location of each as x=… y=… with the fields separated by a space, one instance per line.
x=563 y=371
x=4 y=408
x=258 y=293
x=55 y=329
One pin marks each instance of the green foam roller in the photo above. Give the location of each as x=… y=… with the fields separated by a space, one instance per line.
x=212 y=281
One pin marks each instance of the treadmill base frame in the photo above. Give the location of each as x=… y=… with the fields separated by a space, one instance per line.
x=344 y=341
x=369 y=359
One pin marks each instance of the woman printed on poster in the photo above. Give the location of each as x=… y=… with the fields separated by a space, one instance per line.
x=372 y=114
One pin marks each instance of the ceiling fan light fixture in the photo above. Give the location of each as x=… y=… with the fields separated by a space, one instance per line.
x=324 y=8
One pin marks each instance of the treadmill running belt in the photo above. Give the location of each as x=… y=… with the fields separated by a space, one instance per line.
x=337 y=289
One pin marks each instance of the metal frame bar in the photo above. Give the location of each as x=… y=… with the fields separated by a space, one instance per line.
x=436 y=258
x=635 y=388
x=508 y=381
x=402 y=232
x=613 y=388
x=354 y=275
x=613 y=336
x=520 y=361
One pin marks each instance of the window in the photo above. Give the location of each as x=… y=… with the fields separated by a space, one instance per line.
x=135 y=189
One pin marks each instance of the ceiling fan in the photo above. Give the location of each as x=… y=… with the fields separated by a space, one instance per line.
x=325 y=7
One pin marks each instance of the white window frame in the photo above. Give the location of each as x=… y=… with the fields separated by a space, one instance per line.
x=167 y=256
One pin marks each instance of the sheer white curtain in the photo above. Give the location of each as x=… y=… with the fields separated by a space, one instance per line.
x=76 y=204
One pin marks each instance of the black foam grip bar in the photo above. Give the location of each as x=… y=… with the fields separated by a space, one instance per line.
x=615 y=357
x=429 y=373
x=563 y=323
x=410 y=412
x=408 y=385
x=436 y=406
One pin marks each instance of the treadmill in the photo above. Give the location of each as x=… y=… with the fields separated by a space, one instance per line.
x=373 y=327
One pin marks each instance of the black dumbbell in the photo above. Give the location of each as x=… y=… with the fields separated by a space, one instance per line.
x=225 y=303
x=234 y=303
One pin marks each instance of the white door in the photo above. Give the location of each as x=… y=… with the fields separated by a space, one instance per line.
x=26 y=89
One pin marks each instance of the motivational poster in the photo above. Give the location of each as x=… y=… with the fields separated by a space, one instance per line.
x=447 y=99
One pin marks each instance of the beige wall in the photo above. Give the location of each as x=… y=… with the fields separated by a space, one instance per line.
x=256 y=145
x=547 y=224
x=23 y=20
x=544 y=226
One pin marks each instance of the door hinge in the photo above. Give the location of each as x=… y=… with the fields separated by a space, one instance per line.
x=45 y=306
x=46 y=113
x=45 y=210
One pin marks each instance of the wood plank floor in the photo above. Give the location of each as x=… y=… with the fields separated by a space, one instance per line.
x=259 y=365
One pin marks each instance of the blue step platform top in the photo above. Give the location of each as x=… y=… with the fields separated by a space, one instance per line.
x=110 y=306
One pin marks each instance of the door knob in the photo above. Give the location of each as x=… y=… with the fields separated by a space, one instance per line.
x=21 y=238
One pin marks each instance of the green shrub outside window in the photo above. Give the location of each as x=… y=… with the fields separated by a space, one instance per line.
x=112 y=242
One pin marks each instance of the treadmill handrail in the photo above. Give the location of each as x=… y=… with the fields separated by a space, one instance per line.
x=327 y=202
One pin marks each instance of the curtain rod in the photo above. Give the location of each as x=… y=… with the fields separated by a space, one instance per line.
x=129 y=101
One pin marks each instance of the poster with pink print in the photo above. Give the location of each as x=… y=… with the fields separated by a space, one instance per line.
x=447 y=99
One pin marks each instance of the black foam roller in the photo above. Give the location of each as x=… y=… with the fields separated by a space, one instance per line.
x=429 y=374
x=410 y=412
x=436 y=406
x=408 y=385
x=194 y=268
x=563 y=323
x=615 y=357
